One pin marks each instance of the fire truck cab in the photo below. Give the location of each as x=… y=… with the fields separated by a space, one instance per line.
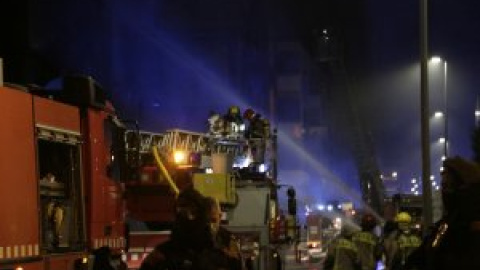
x=61 y=187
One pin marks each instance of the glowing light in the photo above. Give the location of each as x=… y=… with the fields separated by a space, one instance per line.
x=441 y=140
x=435 y=60
x=321 y=207
x=329 y=208
x=179 y=157
x=337 y=223
x=262 y=168
x=208 y=170
x=438 y=114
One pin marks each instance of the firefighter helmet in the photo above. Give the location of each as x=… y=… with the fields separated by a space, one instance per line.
x=249 y=114
x=234 y=110
x=403 y=217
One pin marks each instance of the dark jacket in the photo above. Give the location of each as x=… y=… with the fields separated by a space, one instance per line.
x=454 y=241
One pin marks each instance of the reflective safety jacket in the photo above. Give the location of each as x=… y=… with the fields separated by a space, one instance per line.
x=342 y=254
x=368 y=247
x=400 y=246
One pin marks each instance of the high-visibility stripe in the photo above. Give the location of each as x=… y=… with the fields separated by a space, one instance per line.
x=364 y=237
x=409 y=242
x=116 y=242
x=134 y=257
x=23 y=251
x=342 y=243
x=136 y=249
x=19 y=251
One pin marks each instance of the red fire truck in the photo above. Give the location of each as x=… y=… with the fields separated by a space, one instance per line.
x=219 y=163
x=61 y=178
x=73 y=176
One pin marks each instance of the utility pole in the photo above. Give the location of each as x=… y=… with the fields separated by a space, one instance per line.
x=446 y=146
x=424 y=111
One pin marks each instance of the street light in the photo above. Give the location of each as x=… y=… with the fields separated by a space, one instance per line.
x=436 y=60
x=477 y=113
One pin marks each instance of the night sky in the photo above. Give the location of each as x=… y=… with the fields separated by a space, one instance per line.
x=158 y=59
x=392 y=97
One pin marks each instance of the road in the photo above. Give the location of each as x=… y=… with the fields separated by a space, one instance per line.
x=304 y=264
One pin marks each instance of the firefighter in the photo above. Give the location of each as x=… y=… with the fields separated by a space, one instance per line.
x=256 y=132
x=342 y=253
x=454 y=241
x=233 y=121
x=257 y=126
x=216 y=124
x=367 y=243
x=191 y=245
x=401 y=243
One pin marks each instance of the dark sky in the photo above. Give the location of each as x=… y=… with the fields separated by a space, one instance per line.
x=392 y=100
x=155 y=54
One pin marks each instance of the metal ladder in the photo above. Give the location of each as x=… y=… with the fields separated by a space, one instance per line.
x=178 y=139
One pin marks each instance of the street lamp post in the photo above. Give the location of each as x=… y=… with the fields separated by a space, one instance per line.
x=438 y=60
x=424 y=116
x=445 y=96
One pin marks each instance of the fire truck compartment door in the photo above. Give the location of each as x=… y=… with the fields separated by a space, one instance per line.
x=217 y=185
x=252 y=208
